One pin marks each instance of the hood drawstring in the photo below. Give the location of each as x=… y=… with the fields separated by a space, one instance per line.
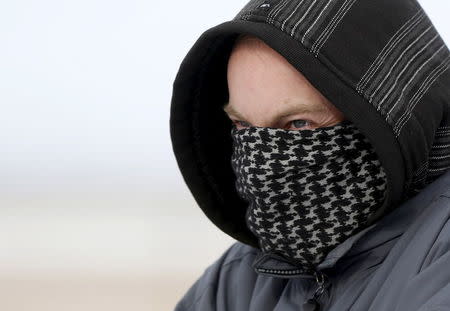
x=312 y=304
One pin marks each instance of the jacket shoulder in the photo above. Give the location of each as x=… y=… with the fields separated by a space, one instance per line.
x=439 y=228
x=430 y=246
x=231 y=268
x=239 y=251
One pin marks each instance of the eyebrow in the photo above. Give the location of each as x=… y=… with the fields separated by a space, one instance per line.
x=292 y=109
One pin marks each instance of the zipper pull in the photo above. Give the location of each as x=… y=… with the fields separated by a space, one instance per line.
x=312 y=304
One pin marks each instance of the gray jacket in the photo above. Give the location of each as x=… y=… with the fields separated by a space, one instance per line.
x=401 y=263
x=385 y=67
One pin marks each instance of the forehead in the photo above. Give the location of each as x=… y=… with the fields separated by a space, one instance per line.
x=254 y=64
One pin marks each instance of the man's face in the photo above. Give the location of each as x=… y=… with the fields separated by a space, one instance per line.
x=266 y=90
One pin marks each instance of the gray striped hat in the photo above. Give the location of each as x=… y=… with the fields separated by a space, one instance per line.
x=382 y=63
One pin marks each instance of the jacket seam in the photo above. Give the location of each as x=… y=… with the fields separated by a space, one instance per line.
x=210 y=284
x=200 y=296
x=374 y=247
x=238 y=258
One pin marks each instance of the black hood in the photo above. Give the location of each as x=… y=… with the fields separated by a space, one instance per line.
x=380 y=62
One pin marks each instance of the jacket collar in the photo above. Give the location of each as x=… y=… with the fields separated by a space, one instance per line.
x=389 y=227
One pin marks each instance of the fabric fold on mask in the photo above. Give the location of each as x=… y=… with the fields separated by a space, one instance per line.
x=307 y=190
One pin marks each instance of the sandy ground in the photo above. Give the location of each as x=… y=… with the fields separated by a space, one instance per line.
x=72 y=293
x=102 y=251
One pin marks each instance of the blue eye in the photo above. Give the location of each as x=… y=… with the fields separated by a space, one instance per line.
x=300 y=124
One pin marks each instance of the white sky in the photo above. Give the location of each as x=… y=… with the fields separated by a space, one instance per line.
x=85 y=87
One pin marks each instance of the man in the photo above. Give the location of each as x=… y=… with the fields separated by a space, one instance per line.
x=317 y=134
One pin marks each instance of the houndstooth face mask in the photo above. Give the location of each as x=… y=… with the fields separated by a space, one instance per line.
x=308 y=190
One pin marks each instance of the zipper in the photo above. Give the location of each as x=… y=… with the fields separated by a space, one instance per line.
x=322 y=280
x=312 y=304
x=266 y=263
x=283 y=272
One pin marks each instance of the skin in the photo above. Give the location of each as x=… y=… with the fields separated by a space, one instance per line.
x=265 y=90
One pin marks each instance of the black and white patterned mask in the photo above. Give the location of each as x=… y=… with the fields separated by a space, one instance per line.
x=308 y=190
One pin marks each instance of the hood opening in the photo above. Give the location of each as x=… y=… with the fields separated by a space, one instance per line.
x=201 y=136
x=200 y=130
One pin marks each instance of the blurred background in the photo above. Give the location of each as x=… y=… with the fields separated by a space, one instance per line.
x=94 y=213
